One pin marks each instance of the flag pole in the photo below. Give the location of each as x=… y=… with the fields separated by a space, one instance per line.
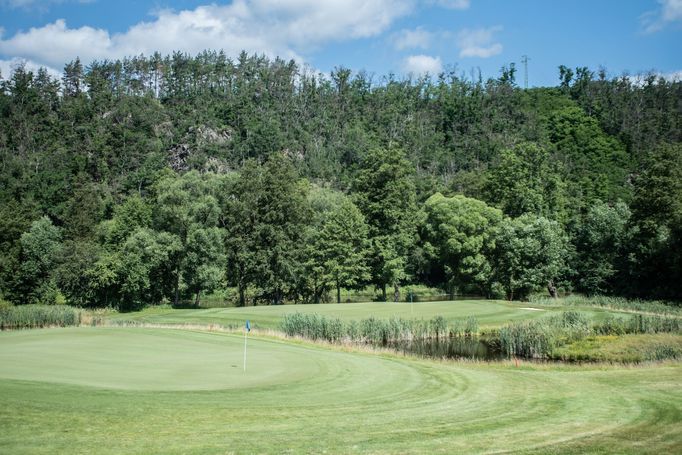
x=245 y=333
x=247 y=329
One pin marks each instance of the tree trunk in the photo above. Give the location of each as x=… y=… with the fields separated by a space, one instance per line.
x=396 y=292
x=196 y=301
x=177 y=288
x=242 y=297
x=551 y=288
x=383 y=292
x=338 y=293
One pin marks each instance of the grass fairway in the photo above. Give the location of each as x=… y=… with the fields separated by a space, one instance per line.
x=489 y=313
x=115 y=390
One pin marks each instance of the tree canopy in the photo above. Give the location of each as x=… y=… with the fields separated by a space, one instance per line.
x=166 y=178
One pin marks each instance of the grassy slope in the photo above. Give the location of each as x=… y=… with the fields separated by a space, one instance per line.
x=165 y=391
x=489 y=313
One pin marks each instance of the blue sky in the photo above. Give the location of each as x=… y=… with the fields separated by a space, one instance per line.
x=378 y=36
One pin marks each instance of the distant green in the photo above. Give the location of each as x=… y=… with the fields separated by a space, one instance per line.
x=490 y=313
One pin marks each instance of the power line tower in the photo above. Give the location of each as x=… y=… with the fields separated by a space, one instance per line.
x=524 y=60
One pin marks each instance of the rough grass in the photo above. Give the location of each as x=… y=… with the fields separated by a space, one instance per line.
x=612 y=303
x=125 y=390
x=542 y=338
x=627 y=348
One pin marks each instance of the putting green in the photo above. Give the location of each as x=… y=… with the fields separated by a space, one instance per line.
x=114 y=390
x=134 y=359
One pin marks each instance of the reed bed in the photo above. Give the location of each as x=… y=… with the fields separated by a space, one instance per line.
x=374 y=330
x=37 y=316
x=540 y=338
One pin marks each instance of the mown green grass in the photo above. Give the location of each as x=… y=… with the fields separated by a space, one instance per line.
x=489 y=313
x=132 y=390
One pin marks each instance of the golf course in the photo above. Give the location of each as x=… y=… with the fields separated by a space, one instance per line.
x=184 y=390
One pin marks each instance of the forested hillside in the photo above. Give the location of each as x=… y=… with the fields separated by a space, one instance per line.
x=159 y=179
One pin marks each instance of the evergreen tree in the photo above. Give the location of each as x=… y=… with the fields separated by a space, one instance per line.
x=385 y=193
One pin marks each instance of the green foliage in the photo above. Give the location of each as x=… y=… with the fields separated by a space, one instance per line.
x=145 y=255
x=40 y=249
x=133 y=214
x=188 y=209
x=384 y=192
x=599 y=241
x=595 y=165
x=336 y=247
x=655 y=262
x=530 y=252
x=213 y=151
x=459 y=235
x=267 y=212
x=526 y=181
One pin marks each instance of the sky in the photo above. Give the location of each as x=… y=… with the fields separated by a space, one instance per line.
x=403 y=37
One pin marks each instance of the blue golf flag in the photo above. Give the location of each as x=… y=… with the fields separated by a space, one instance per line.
x=248 y=325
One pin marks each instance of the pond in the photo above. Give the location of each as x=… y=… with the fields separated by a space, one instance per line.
x=449 y=348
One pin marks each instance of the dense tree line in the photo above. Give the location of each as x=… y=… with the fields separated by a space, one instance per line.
x=165 y=178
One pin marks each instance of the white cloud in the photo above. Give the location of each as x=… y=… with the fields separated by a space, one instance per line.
x=478 y=42
x=37 y=5
x=423 y=64
x=271 y=27
x=669 y=12
x=454 y=4
x=7 y=67
x=412 y=39
x=672 y=76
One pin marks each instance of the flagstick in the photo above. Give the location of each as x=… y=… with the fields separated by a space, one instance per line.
x=245 y=333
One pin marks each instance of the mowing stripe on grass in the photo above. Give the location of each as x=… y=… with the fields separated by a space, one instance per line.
x=171 y=395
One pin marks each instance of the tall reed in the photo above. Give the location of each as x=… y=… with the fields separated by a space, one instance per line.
x=36 y=316
x=375 y=330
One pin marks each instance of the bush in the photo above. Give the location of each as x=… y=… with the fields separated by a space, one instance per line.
x=36 y=316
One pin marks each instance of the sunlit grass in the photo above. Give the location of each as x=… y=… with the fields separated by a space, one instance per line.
x=132 y=390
